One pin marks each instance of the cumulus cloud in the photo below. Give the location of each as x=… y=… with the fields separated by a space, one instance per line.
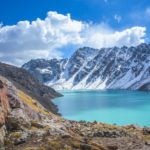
x=47 y=38
x=109 y=38
x=40 y=38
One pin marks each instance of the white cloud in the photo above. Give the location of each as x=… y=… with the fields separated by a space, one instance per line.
x=107 y=38
x=39 y=38
x=117 y=18
x=47 y=38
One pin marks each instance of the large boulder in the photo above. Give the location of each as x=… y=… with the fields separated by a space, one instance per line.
x=16 y=102
x=18 y=120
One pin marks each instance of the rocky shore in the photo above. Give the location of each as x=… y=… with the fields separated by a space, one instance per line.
x=26 y=125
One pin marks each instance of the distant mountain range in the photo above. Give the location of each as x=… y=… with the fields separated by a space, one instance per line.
x=88 y=68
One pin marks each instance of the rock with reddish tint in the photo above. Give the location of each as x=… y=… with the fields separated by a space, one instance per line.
x=4 y=104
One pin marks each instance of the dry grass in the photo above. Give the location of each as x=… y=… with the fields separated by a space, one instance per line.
x=32 y=103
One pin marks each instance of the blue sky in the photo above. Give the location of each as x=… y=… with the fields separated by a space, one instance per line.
x=86 y=10
x=109 y=15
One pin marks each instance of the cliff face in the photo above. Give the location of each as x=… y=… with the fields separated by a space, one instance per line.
x=28 y=84
x=17 y=110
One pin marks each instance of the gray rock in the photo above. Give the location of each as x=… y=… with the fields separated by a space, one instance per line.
x=39 y=133
x=2 y=136
x=37 y=124
x=14 y=100
x=57 y=131
x=146 y=131
x=18 y=120
x=110 y=134
x=19 y=137
x=147 y=143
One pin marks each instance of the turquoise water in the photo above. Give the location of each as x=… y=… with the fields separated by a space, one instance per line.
x=110 y=106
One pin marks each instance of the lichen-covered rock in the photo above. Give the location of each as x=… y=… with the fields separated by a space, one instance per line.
x=57 y=131
x=37 y=124
x=18 y=120
x=39 y=133
x=18 y=137
x=14 y=100
x=2 y=136
x=110 y=134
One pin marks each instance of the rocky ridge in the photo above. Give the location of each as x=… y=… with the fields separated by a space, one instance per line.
x=25 y=82
x=88 y=68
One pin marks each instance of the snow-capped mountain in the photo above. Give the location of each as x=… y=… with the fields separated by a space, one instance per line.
x=88 y=68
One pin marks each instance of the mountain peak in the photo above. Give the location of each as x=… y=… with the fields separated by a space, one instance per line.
x=89 y=68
